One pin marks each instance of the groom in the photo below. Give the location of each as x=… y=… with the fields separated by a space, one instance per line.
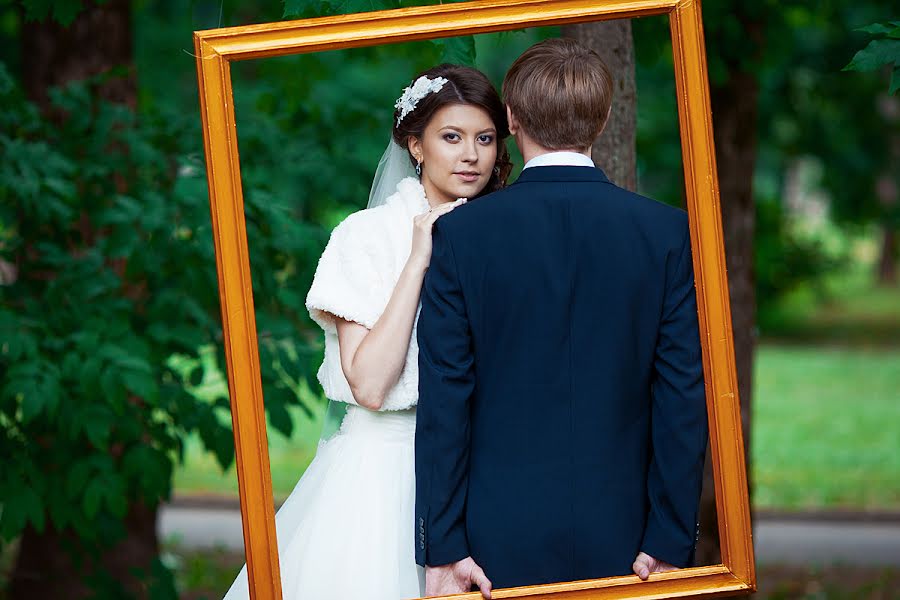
x=561 y=424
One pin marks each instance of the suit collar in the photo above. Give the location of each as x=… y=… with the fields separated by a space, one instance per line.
x=562 y=173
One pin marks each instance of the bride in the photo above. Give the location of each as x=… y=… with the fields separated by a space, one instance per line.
x=346 y=532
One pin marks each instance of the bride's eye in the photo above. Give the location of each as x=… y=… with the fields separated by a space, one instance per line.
x=451 y=137
x=486 y=138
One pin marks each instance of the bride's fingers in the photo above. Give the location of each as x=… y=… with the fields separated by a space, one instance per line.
x=442 y=209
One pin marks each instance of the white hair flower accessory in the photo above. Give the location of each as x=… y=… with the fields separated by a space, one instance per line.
x=418 y=90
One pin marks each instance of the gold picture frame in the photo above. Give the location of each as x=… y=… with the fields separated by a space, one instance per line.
x=215 y=51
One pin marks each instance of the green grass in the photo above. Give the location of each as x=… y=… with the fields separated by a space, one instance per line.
x=826 y=412
x=202 y=575
x=826 y=428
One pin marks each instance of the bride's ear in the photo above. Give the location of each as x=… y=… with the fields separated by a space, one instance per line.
x=415 y=148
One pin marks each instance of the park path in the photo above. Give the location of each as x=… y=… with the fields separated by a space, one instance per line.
x=779 y=539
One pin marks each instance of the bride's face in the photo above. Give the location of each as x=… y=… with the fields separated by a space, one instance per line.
x=457 y=149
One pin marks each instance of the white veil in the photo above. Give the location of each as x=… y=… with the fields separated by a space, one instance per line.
x=393 y=168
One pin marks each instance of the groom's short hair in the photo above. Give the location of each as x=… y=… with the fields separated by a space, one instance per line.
x=560 y=91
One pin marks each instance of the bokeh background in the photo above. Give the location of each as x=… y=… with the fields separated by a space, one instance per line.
x=113 y=401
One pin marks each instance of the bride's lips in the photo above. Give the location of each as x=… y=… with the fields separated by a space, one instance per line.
x=468 y=176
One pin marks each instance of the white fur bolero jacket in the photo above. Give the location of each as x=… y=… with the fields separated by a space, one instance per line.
x=355 y=279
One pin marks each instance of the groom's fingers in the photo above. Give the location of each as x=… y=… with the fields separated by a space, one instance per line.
x=664 y=567
x=481 y=580
x=641 y=566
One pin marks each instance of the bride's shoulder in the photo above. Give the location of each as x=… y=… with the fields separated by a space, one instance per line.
x=369 y=222
x=362 y=222
x=409 y=189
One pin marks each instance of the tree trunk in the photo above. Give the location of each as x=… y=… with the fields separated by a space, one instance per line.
x=888 y=194
x=614 y=151
x=57 y=564
x=96 y=42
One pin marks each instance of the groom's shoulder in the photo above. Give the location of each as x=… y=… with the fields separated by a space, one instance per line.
x=598 y=199
x=477 y=210
x=641 y=209
x=651 y=209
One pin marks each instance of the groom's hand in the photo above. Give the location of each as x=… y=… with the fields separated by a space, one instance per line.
x=645 y=564
x=456 y=578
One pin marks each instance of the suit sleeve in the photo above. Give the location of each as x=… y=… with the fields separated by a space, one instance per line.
x=679 y=426
x=446 y=385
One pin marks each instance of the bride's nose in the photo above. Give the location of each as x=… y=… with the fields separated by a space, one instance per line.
x=469 y=151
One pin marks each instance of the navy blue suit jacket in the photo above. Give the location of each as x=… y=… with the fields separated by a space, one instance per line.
x=561 y=424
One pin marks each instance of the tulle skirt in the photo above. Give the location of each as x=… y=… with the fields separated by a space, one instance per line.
x=346 y=532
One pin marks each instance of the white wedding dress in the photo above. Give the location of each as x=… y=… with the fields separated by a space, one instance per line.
x=346 y=532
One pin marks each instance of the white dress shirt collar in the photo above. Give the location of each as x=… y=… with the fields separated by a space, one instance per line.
x=560 y=159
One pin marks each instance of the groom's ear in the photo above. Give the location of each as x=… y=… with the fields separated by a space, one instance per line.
x=605 y=121
x=511 y=121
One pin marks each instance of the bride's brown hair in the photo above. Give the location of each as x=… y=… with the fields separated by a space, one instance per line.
x=466 y=86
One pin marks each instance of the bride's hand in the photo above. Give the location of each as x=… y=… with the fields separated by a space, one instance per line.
x=422 y=226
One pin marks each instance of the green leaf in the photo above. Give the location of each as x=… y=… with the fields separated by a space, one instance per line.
x=874 y=56
x=90 y=380
x=37 y=10
x=279 y=417
x=93 y=496
x=97 y=421
x=875 y=28
x=114 y=493
x=36 y=384
x=217 y=439
x=458 y=50
x=133 y=363
x=18 y=343
x=112 y=388
x=65 y=11
x=77 y=479
x=297 y=9
x=32 y=404
x=61 y=187
x=20 y=507
x=62 y=511
x=151 y=468
x=142 y=385
x=121 y=243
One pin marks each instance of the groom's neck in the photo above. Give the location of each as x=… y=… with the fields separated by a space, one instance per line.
x=531 y=149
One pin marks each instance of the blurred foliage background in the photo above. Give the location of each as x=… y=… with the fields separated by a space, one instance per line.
x=112 y=392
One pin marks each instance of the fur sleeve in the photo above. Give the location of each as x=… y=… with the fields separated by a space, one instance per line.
x=346 y=283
